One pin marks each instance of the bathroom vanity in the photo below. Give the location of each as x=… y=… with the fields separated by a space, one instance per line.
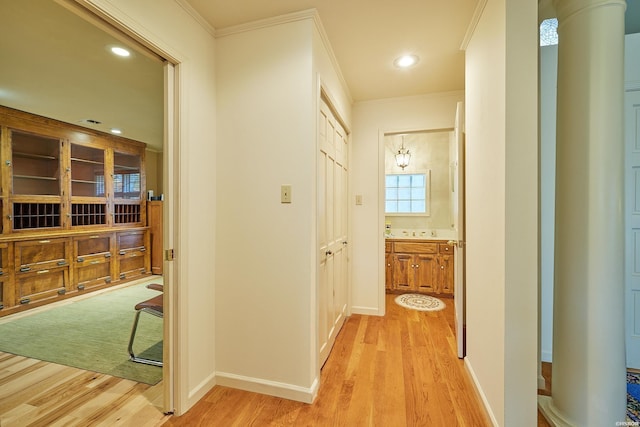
x=417 y=265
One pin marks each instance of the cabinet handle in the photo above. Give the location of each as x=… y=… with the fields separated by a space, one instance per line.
x=25 y=301
x=143 y=249
x=442 y=267
x=107 y=255
x=23 y=269
x=81 y=287
x=80 y=259
x=62 y=291
x=122 y=252
x=417 y=265
x=62 y=263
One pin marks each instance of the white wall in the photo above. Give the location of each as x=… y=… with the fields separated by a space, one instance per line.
x=266 y=312
x=167 y=26
x=429 y=153
x=502 y=212
x=370 y=120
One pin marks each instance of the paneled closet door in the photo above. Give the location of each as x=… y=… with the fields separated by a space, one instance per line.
x=632 y=227
x=332 y=233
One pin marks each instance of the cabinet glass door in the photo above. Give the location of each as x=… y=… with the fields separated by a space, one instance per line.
x=126 y=176
x=87 y=171
x=36 y=164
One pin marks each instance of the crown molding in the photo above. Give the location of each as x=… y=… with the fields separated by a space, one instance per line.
x=477 y=14
x=267 y=22
x=195 y=15
x=308 y=14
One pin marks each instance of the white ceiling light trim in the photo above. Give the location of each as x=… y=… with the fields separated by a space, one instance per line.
x=120 y=51
x=406 y=61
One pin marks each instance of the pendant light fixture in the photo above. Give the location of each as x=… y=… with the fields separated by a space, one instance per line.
x=403 y=156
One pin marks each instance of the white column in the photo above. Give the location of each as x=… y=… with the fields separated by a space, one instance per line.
x=588 y=386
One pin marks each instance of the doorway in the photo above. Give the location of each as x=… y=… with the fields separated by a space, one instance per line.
x=65 y=86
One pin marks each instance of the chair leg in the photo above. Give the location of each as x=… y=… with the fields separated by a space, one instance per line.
x=132 y=355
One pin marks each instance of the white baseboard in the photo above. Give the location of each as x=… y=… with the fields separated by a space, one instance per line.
x=483 y=397
x=369 y=311
x=271 y=388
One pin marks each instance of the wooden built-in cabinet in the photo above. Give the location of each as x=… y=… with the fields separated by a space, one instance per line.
x=419 y=266
x=154 y=221
x=72 y=210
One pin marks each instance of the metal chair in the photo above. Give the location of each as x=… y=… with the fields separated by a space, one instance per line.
x=152 y=306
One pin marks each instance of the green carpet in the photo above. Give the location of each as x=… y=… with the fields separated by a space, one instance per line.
x=91 y=334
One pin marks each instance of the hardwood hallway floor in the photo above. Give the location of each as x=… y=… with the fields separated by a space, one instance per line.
x=36 y=393
x=399 y=370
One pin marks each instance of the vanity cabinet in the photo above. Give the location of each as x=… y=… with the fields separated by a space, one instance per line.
x=71 y=201
x=388 y=262
x=419 y=266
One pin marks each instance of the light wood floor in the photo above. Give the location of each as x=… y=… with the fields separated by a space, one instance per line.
x=36 y=393
x=400 y=370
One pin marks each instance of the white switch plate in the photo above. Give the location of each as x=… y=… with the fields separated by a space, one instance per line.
x=285 y=194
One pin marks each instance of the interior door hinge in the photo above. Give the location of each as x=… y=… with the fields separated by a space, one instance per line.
x=169 y=255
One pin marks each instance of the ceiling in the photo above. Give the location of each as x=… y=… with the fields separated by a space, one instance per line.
x=367 y=35
x=61 y=68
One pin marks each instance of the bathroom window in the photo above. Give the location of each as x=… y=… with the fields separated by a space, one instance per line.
x=407 y=194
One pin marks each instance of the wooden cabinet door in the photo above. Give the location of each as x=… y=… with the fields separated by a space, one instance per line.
x=445 y=274
x=388 y=276
x=403 y=272
x=425 y=270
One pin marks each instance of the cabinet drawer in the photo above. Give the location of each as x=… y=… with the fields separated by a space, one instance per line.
x=445 y=248
x=41 y=254
x=96 y=244
x=131 y=240
x=387 y=247
x=131 y=262
x=415 y=247
x=93 y=273
x=41 y=284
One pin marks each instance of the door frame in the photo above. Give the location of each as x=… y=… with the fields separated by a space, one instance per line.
x=382 y=133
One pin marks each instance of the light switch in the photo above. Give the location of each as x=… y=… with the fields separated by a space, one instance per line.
x=285 y=194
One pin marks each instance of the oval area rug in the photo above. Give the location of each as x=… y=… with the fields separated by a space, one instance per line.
x=420 y=302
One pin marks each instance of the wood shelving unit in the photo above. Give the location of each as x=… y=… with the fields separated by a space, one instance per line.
x=70 y=204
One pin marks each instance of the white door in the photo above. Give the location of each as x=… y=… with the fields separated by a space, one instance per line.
x=332 y=229
x=458 y=217
x=632 y=228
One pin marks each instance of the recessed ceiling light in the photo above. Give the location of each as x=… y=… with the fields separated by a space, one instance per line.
x=120 y=51
x=406 y=61
x=116 y=131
